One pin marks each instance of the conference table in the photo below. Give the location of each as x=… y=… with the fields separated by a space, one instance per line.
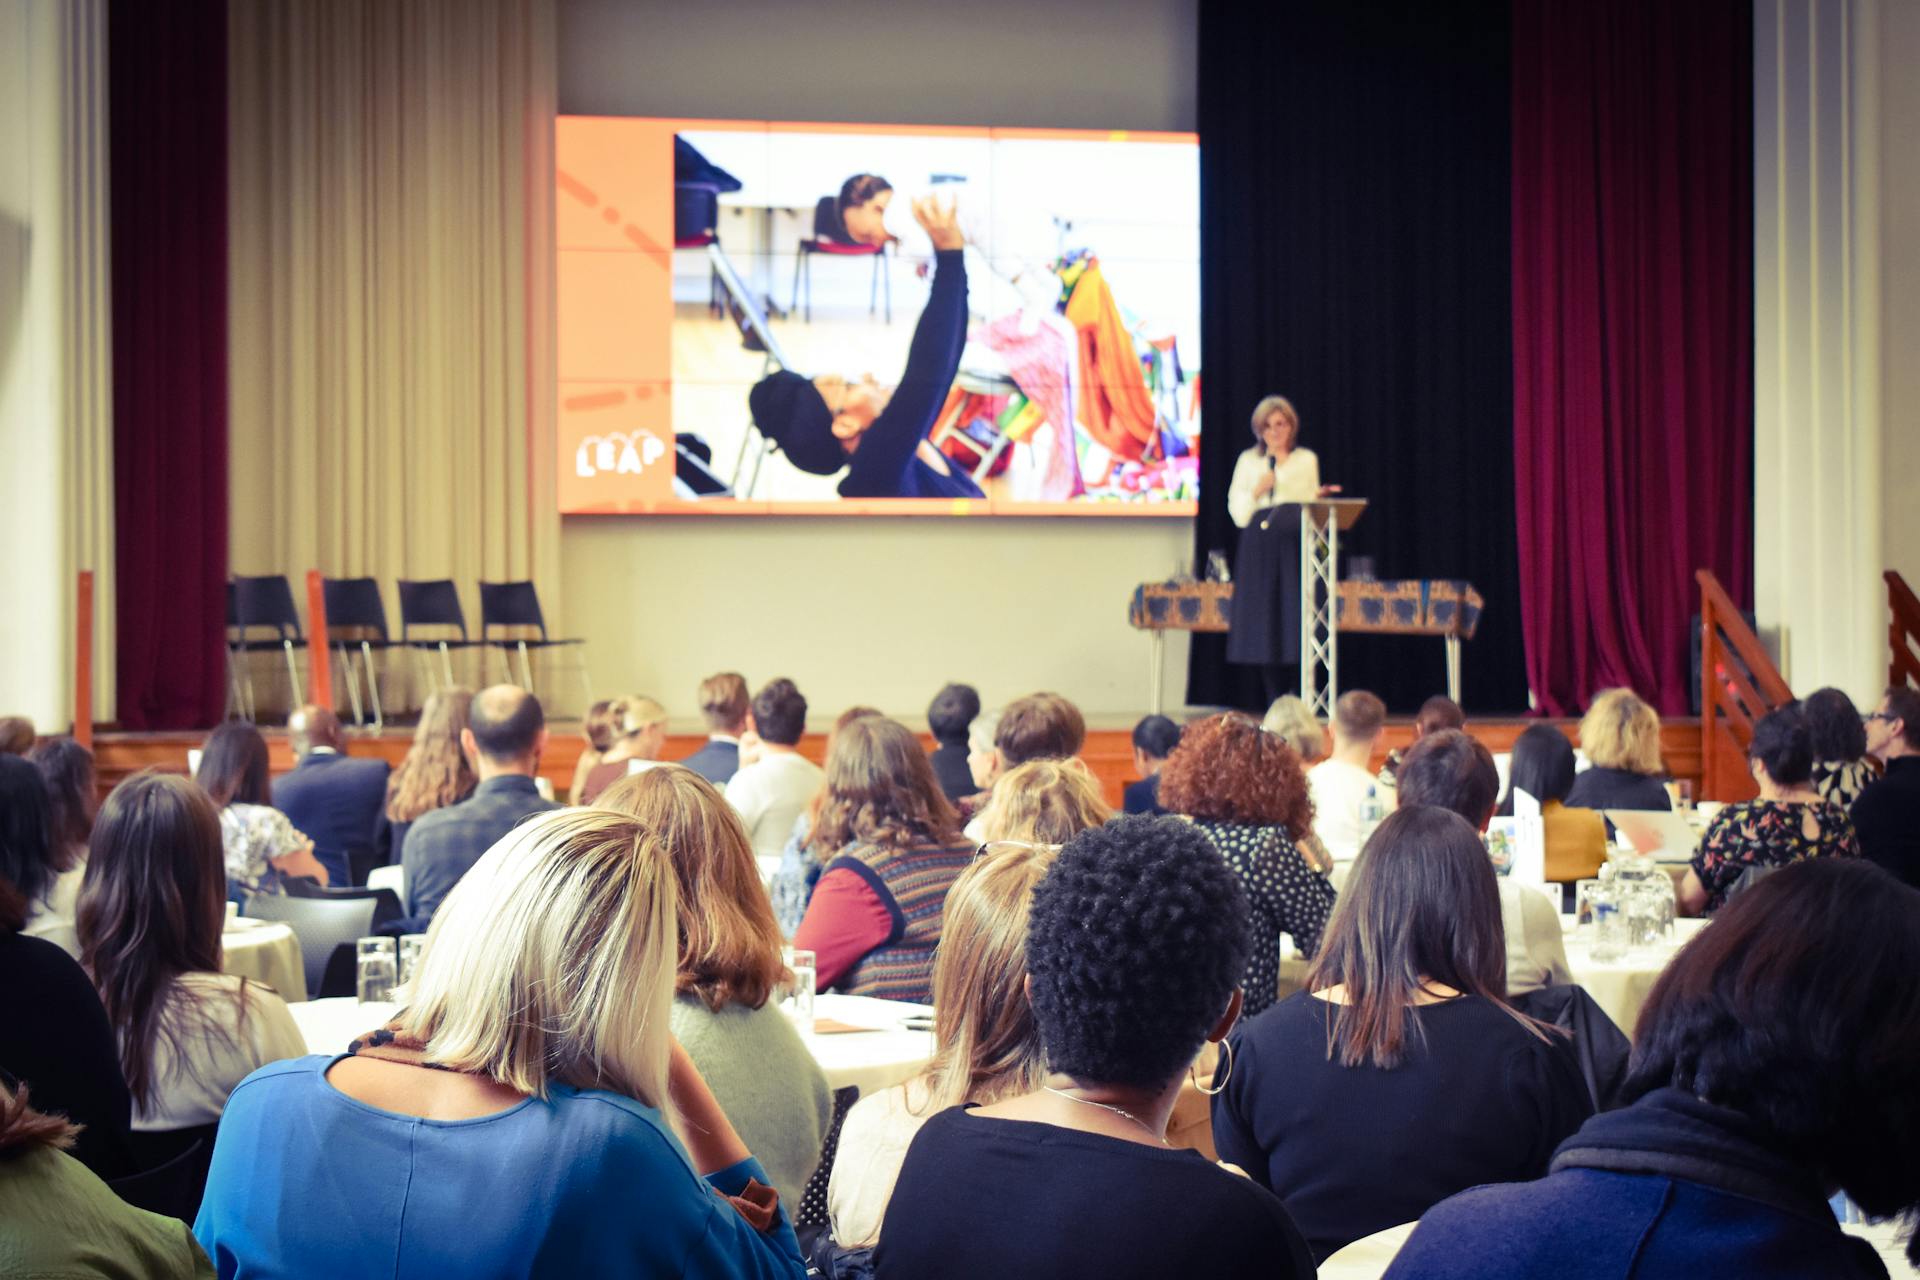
x=268 y=952
x=857 y=1040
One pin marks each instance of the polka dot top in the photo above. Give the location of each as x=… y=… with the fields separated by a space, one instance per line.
x=1284 y=894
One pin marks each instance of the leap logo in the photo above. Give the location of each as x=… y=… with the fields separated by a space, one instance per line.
x=617 y=453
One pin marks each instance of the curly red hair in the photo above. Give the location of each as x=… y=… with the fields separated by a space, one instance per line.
x=1228 y=769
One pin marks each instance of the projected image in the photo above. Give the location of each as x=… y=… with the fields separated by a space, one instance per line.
x=870 y=319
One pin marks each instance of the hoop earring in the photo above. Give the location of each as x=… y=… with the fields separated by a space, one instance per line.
x=1219 y=1081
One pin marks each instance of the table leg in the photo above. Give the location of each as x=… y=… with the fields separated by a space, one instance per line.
x=1156 y=671
x=1453 y=668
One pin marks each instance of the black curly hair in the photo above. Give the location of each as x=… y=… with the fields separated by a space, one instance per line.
x=1137 y=939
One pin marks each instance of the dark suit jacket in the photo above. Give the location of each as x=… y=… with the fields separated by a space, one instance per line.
x=1886 y=817
x=716 y=762
x=334 y=800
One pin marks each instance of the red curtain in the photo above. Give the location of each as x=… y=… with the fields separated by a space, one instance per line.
x=167 y=127
x=1632 y=334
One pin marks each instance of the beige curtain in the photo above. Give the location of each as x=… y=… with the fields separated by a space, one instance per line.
x=391 y=329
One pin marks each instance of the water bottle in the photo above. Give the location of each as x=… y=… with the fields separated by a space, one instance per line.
x=1372 y=813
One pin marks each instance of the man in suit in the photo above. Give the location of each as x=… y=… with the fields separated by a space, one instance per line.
x=332 y=797
x=505 y=734
x=723 y=702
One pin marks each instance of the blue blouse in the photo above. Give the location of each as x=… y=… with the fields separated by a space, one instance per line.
x=308 y=1181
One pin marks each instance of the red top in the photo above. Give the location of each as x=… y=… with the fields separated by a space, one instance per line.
x=845 y=920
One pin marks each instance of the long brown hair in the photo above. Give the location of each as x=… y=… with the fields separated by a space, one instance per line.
x=1229 y=769
x=881 y=790
x=988 y=1046
x=845 y=718
x=67 y=768
x=150 y=910
x=729 y=941
x=435 y=773
x=1420 y=908
x=233 y=766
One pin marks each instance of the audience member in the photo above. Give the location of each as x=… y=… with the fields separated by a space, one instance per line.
x=16 y=735
x=723 y=1012
x=596 y=730
x=950 y=716
x=1040 y=726
x=1400 y=1076
x=892 y=850
x=724 y=706
x=1044 y=802
x=791 y=887
x=1841 y=770
x=72 y=796
x=1436 y=713
x=519 y=1117
x=57 y=1218
x=54 y=1037
x=1154 y=739
x=260 y=845
x=1449 y=770
x=1887 y=814
x=1777 y=1058
x=983 y=764
x=32 y=860
x=1788 y=822
x=986 y=1045
x=150 y=919
x=639 y=736
x=1137 y=939
x=435 y=773
x=1543 y=767
x=505 y=734
x=332 y=796
x=1343 y=786
x=1244 y=789
x=772 y=791
x=1292 y=721
x=1621 y=735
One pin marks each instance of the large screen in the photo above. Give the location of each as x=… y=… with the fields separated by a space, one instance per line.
x=759 y=318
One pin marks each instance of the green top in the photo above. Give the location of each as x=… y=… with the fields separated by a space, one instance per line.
x=59 y=1221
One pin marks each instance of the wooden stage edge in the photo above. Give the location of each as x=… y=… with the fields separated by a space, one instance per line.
x=1108 y=752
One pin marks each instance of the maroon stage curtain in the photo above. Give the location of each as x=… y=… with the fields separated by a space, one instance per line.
x=1632 y=334
x=167 y=127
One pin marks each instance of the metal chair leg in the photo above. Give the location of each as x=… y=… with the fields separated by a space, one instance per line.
x=293 y=676
x=353 y=682
x=586 y=683
x=446 y=663
x=373 y=687
x=526 y=667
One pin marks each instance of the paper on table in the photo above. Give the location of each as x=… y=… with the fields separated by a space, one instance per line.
x=830 y=1027
x=1664 y=836
x=1530 y=840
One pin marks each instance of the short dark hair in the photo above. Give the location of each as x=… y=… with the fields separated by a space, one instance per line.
x=1798 y=1009
x=1783 y=746
x=1137 y=938
x=1543 y=766
x=67 y=769
x=1040 y=726
x=780 y=712
x=1833 y=724
x=953 y=712
x=26 y=828
x=233 y=766
x=1450 y=770
x=1156 y=737
x=1439 y=712
x=1903 y=704
x=505 y=726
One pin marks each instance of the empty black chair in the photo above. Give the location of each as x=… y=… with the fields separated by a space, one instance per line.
x=357 y=618
x=433 y=603
x=255 y=605
x=515 y=606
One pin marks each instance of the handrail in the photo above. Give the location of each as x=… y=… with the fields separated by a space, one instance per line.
x=1903 y=631
x=319 y=650
x=1738 y=685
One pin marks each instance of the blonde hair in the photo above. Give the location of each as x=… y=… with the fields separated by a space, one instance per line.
x=1620 y=731
x=636 y=713
x=1265 y=409
x=987 y=1045
x=729 y=942
x=1047 y=801
x=552 y=961
x=1292 y=721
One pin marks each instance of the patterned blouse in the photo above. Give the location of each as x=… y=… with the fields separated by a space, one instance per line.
x=254 y=835
x=1841 y=781
x=1283 y=892
x=1768 y=833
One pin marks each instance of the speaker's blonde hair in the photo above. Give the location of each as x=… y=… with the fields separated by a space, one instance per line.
x=552 y=961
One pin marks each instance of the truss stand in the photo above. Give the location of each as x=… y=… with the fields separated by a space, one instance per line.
x=1321 y=524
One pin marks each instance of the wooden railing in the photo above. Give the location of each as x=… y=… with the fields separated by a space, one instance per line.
x=1738 y=685
x=319 y=652
x=1903 y=631
x=83 y=660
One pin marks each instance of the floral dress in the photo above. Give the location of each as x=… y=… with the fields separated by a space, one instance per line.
x=1768 y=833
x=254 y=835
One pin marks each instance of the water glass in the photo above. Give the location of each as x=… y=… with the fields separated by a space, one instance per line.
x=1583 y=891
x=796 y=999
x=411 y=947
x=375 y=967
x=1609 y=923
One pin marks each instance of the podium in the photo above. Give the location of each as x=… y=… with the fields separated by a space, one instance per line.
x=1321 y=524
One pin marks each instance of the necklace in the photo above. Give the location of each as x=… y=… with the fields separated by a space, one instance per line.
x=1107 y=1106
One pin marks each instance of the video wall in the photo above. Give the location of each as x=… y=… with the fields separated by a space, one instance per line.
x=776 y=318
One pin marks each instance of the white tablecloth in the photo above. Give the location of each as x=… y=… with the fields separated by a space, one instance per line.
x=872 y=1060
x=389 y=877
x=268 y=952
x=1622 y=986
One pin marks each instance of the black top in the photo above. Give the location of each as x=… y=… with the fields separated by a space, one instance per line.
x=951 y=770
x=1886 y=818
x=990 y=1197
x=55 y=1039
x=334 y=801
x=1602 y=788
x=1142 y=796
x=1355 y=1150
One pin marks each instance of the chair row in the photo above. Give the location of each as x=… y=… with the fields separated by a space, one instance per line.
x=432 y=622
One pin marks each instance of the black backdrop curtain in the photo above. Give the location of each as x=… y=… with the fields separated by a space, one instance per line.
x=1354 y=222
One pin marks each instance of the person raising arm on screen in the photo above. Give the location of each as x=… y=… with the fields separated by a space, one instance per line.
x=880 y=435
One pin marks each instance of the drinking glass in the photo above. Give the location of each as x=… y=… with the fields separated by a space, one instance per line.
x=376 y=964
x=797 y=994
x=1583 y=891
x=1686 y=793
x=1609 y=922
x=411 y=947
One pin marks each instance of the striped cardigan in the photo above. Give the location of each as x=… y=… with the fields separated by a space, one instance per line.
x=912 y=883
